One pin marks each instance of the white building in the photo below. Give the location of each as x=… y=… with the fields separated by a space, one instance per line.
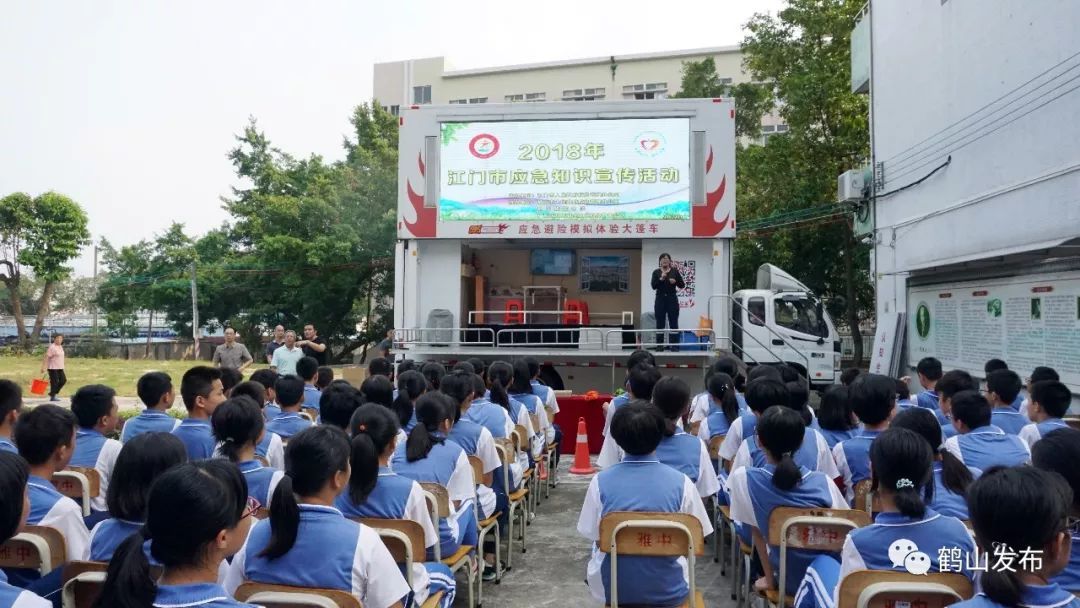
x=993 y=87
x=618 y=77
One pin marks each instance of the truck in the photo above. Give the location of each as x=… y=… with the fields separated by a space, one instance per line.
x=533 y=229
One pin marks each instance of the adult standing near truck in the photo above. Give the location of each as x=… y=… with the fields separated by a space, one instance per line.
x=232 y=354
x=278 y=340
x=665 y=280
x=313 y=345
x=54 y=364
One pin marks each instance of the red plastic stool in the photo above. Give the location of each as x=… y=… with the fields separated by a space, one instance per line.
x=514 y=312
x=573 y=307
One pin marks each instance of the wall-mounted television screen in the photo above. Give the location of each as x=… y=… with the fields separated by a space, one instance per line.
x=552 y=261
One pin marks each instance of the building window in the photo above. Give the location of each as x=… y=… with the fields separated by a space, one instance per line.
x=455 y=101
x=768 y=131
x=478 y=100
x=652 y=90
x=725 y=81
x=395 y=110
x=525 y=97
x=583 y=94
x=513 y=98
x=421 y=94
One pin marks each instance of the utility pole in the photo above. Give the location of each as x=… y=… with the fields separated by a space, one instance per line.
x=93 y=308
x=194 y=311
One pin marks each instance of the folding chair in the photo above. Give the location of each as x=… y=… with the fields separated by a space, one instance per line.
x=80 y=484
x=814 y=529
x=404 y=539
x=515 y=500
x=886 y=588
x=721 y=518
x=306 y=414
x=439 y=504
x=862 y=496
x=523 y=443
x=485 y=526
x=621 y=533
x=541 y=462
x=551 y=453
x=38 y=548
x=262 y=460
x=83 y=582
x=284 y=596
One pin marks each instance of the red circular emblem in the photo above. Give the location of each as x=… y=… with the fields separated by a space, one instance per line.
x=484 y=145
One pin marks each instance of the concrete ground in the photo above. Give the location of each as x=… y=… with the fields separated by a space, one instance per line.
x=552 y=571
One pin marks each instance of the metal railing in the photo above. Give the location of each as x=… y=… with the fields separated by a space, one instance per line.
x=710 y=344
x=415 y=336
x=742 y=351
x=575 y=335
x=525 y=313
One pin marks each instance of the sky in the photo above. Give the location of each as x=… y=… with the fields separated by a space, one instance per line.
x=130 y=107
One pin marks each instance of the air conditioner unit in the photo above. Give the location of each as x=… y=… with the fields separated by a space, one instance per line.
x=849 y=186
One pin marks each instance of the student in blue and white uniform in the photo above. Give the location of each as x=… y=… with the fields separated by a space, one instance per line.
x=905 y=534
x=703 y=401
x=378 y=389
x=434 y=373
x=756 y=491
x=547 y=397
x=1039 y=374
x=723 y=411
x=930 y=373
x=307 y=368
x=951 y=477
x=837 y=421
x=267 y=378
x=472 y=437
x=238 y=427
x=1050 y=401
x=427 y=456
x=94 y=406
x=980 y=444
x=338 y=403
x=141 y=462
x=639 y=483
x=521 y=389
x=641 y=380
x=873 y=399
x=757 y=400
x=496 y=419
x=270 y=446
x=13 y=487
x=1059 y=451
x=950 y=384
x=1025 y=509
x=814 y=452
x=155 y=390
x=290 y=395
x=636 y=358
x=1002 y=387
x=10 y=407
x=197 y=515
x=501 y=377
x=376 y=491
x=202 y=391
x=903 y=396
x=305 y=529
x=678 y=449
x=410 y=385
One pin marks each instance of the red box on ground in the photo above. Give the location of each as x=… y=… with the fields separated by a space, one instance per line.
x=580 y=406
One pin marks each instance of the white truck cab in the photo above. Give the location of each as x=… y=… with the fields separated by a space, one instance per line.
x=782 y=321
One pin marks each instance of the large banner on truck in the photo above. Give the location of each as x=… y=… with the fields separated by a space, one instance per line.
x=1027 y=321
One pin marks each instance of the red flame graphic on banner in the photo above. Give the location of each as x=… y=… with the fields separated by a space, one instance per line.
x=703 y=217
x=424 y=226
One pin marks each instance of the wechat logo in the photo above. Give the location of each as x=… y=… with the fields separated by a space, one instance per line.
x=922 y=320
x=905 y=554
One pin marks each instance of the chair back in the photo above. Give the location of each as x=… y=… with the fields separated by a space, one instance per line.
x=862 y=493
x=284 y=596
x=653 y=535
x=304 y=413
x=521 y=438
x=78 y=483
x=890 y=588
x=38 y=548
x=814 y=529
x=1072 y=421
x=714 y=446
x=83 y=582
x=535 y=418
x=477 y=469
x=404 y=538
x=504 y=448
x=442 y=498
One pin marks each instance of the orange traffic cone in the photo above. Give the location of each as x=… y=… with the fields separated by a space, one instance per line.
x=582 y=466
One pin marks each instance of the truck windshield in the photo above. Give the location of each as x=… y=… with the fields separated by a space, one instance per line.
x=800 y=313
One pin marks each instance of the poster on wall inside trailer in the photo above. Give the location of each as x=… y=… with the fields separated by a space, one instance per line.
x=605 y=274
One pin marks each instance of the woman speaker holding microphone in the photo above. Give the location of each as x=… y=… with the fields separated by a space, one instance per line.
x=665 y=280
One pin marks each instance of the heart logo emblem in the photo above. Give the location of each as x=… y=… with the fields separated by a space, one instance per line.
x=650 y=144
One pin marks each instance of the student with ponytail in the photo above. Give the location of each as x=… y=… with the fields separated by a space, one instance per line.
x=678 y=449
x=703 y=401
x=271 y=447
x=14 y=509
x=349 y=556
x=906 y=532
x=500 y=377
x=433 y=372
x=1059 y=451
x=1025 y=510
x=473 y=438
x=238 y=426
x=374 y=490
x=521 y=389
x=762 y=392
x=427 y=456
x=780 y=482
x=723 y=407
x=488 y=414
x=813 y=454
x=197 y=515
x=410 y=385
x=143 y=459
x=951 y=477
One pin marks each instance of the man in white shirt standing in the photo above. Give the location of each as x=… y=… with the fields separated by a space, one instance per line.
x=286 y=357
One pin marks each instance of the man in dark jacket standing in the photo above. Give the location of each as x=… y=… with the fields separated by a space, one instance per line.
x=665 y=280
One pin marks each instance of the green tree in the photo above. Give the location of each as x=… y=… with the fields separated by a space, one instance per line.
x=41 y=234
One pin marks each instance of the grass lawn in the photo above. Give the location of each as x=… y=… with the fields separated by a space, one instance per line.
x=120 y=374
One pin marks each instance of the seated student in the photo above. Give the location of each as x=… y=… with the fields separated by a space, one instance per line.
x=547 y=397
x=410 y=385
x=307 y=368
x=376 y=491
x=472 y=437
x=230 y=377
x=14 y=510
x=46 y=439
x=500 y=378
x=873 y=399
x=849 y=375
x=1058 y=452
x=1039 y=374
x=813 y=454
x=378 y=389
x=1002 y=387
x=290 y=395
x=1049 y=402
x=756 y=491
x=994 y=365
x=951 y=477
x=268 y=378
x=902 y=464
x=723 y=412
x=521 y=389
x=155 y=390
x=744 y=426
x=479 y=367
x=380 y=366
x=903 y=396
x=323 y=377
x=702 y=404
x=835 y=417
x=196 y=516
x=406 y=365
x=143 y=459
x=678 y=449
x=238 y=427
x=94 y=406
x=1042 y=501
x=202 y=392
x=271 y=447
x=639 y=483
x=930 y=372
x=640 y=382
x=488 y=414
x=338 y=402
x=305 y=529
x=10 y=407
x=636 y=358
x=948 y=386
x=980 y=444
x=427 y=456
x=433 y=372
